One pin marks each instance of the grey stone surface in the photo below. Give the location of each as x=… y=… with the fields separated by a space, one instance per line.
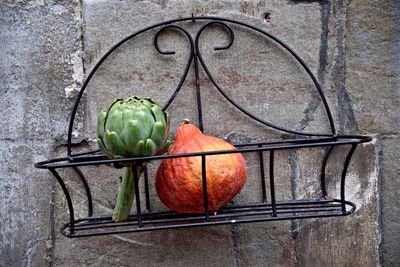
x=25 y=204
x=271 y=243
x=350 y=46
x=390 y=201
x=42 y=61
x=372 y=57
x=372 y=78
x=327 y=242
x=41 y=57
x=197 y=247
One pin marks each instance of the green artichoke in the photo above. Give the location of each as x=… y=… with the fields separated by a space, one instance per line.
x=132 y=127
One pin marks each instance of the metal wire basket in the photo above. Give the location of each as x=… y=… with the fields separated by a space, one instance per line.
x=269 y=208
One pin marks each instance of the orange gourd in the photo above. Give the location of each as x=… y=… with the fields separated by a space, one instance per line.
x=179 y=180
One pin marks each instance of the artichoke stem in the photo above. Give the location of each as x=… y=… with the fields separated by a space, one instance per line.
x=126 y=193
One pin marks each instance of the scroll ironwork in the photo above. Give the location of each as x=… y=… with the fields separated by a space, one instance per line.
x=269 y=208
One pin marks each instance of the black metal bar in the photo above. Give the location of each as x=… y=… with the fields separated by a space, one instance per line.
x=189 y=62
x=204 y=180
x=86 y=153
x=271 y=182
x=316 y=212
x=323 y=171
x=358 y=138
x=153 y=222
x=191 y=219
x=262 y=173
x=137 y=194
x=209 y=223
x=242 y=150
x=68 y=197
x=108 y=224
x=288 y=141
x=97 y=154
x=87 y=189
x=197 y=87
x=244 y=213
x=146 y=189
x=281 y=205
x=343 y=179
x=172 y=220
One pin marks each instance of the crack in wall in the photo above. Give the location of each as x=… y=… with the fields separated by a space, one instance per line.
x=307 y=1
x=51 y=246
x=294 y=178
x=347 y=120
x=132 y=241
x=310 y=111
x=323 y=63
x=78 y=77
x=378 y=164
x=236 y=249
x=30 y=251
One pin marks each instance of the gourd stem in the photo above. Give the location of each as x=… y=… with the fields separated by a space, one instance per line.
x=126 y=193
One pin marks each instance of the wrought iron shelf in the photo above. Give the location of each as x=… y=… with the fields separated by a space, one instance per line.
x=260 y=212
x=267 y=209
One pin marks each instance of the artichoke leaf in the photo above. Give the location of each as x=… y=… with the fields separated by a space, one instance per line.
x=167 y=119
x=151 y=100
x=139 y=150
x=150 y=147
x=159 y=114
x=148 y=102
x=100 y=124
x=103 y=148
x=167 y=145
x=115 y=104
x=128 y=114
x=145 y=121
x=114 y=144
x=158 y=133
x=130 y=135
x=114 y=122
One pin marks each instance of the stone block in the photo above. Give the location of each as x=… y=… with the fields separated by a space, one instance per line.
x=353 y=240
x=42 y=61
x=25 y=201
x=40 y=54
x=372 y=64
x=390 y=201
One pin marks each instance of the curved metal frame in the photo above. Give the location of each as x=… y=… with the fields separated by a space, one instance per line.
x=195 y=55
x=275 y=210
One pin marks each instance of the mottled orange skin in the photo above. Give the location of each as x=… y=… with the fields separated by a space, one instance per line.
x=179 y=180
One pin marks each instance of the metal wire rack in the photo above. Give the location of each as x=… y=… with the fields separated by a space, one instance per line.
x=269 y=208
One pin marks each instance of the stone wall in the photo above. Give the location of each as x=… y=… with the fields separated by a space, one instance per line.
x=351 y=46
x=40 y=54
